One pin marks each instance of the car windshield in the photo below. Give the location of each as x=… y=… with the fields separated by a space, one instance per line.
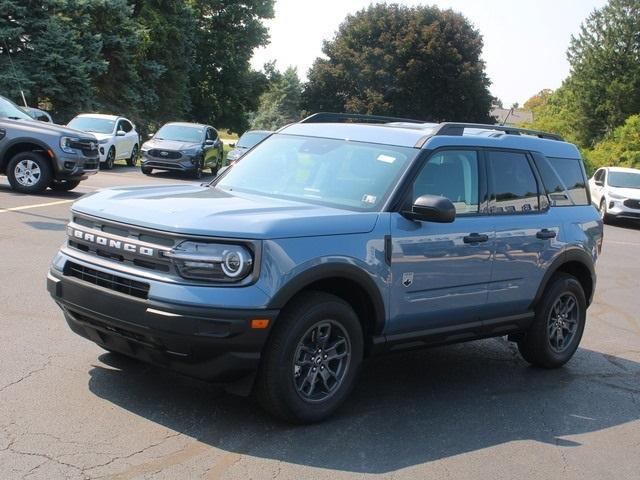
x=92 y=124
x=624 y=179
x=249 y=139
x=344 y=174
x=180 y=133
x=8 y=109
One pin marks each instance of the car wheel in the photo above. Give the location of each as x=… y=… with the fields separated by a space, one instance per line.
x=197 y=173
x=606 y=218
x=559 y=322
x=64 y=185
x=146 y=170
x=111 y=159
x=311 y=360
x=29 y=172
x=133 y=159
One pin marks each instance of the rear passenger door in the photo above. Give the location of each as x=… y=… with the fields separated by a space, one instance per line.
x=526 y=231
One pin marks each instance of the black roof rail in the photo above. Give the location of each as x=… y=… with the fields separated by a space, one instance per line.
x=457 y=129
x=329 y=117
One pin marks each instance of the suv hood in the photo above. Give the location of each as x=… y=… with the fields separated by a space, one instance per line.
x=626 y=192
x=170 y=144
x=208 y=211
x=48 y=128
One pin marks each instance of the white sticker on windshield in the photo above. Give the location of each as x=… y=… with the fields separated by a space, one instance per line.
x=368 y=198
x=386 y=158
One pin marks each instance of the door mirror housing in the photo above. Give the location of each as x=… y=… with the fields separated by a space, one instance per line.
x=599 y=183
x=150 y=135
x=120 y=133
x=432 y=208
x=209 y=142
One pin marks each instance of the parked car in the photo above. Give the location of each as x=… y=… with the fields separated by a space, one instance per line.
x=247 y=141
x=37 y=155
x=117 y=136
x=331 y=242
x=183 y=147
x=37 y=114
x=615 y=191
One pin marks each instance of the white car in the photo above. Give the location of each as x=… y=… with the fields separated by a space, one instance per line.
x=117 y=137
x=615 y=191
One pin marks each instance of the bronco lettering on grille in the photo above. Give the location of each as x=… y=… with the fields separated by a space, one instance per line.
x=110 y=242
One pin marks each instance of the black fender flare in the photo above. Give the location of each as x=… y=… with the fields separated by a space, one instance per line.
x=324 y=271
x=14 y=141
x=574 y=254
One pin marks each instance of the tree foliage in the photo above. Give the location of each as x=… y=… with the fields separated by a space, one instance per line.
x=152 y=60
x=538 y=101
x=281 y=103
x=418 y=62
x=621 y=148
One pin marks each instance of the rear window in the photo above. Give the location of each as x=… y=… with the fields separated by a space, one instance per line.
x=558 y=173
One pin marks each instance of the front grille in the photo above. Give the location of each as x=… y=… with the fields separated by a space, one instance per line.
x=631 y=203
x=168 y=154
x=107 y=280
x=89 y=147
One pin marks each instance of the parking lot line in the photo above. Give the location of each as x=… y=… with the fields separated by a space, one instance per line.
x=37 y=205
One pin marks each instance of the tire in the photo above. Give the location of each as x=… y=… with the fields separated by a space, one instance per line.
x=29 y=172
x=540 y=345
x=111 y=159
x=606 y=218
x=197 y=173
x=133 y=159
x=281 y=384
x=146 y=170
x=64 y=185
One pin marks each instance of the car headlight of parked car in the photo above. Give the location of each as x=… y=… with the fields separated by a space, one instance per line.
x=212 y=261
x=616 y=196
x=66 y=144
x=190 y=152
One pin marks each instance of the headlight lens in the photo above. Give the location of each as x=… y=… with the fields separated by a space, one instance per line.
x=66 y=142
x=616 y=196
x=190 y=151
x=212 y=261
x=103 y=141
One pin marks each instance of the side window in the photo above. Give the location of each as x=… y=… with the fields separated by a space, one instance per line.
x=452 y=174
x=513 y=184
x=211 y=134
x=124 y=125
x=599 y=176
x=558 y=173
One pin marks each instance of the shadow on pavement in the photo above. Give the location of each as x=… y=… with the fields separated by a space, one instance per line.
x=407 y=409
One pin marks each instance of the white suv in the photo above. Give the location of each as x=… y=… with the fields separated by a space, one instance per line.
x=615 y=191
x=117 y=136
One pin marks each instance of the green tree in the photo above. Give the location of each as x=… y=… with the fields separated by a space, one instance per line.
x=281 y=103
x=225 y=88
x=605 y=70
x=539 y=100
x=621 y=148
x=414 y=62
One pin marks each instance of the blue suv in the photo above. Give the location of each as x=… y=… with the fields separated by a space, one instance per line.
x=337 y=238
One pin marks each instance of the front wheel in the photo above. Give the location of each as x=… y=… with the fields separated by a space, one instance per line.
x=197 y=173
x=312 y=359
x=133 y=159
x=557 y=329
x=603 y=211
x=146 y=170
x=29 y=172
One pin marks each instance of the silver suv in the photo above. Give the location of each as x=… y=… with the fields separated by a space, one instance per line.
x=36 y=155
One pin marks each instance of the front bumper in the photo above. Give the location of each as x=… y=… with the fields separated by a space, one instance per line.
x=617 y=208
x=76 y=167
x=183 y=164
x=214 y=344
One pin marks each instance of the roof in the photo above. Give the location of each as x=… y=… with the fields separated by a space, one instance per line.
x=623 y=169
x=415 y=134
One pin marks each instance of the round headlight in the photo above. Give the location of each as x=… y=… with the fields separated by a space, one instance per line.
x=233 y=262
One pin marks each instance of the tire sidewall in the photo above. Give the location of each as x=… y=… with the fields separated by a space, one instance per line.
x=562 y=285
x=133 y=160
x=331 y=309
x=46 y=172
x=111 y=159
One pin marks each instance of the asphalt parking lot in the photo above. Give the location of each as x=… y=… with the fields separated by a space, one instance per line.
x=68 y=409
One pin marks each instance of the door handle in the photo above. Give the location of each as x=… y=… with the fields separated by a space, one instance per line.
x=546 y=234
x=475 y=238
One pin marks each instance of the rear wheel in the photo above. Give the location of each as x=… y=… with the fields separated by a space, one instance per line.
x=560 y=318
x=64 y=185
x=312 y=359
x=111 y=159
x=133 y=159
x=29 y=172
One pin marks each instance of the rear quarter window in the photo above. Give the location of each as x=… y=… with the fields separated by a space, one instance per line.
x=558 y=173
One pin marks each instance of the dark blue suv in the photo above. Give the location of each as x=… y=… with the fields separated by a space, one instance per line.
x=334 y=239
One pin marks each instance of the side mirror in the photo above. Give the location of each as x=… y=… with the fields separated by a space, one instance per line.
x=600 y=183
x=209 y=142
x=120 y=133
x=150 y=135
x=432 y=208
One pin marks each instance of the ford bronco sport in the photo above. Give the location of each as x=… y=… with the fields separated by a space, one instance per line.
x=333 y=240
x=37 y=155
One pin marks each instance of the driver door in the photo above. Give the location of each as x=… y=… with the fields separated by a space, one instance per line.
x=441 y=271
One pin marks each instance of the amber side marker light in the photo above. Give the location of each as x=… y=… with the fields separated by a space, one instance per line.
x=259 y=323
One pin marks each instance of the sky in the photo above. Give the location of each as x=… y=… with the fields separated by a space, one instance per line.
x=525 y=42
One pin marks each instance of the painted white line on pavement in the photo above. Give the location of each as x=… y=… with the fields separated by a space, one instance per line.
x=623 y=243
x=38 y=205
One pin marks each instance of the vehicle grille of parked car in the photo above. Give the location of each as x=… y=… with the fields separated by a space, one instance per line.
x=631 y=203
x=89 y=147
x=107 y=280
x=167 y=154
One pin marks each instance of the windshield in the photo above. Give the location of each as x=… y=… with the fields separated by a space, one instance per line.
x=624 y=179
x=8 y=109
x=92 y=124
x=180 y=133
x=249 y=139
x=340 y=173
